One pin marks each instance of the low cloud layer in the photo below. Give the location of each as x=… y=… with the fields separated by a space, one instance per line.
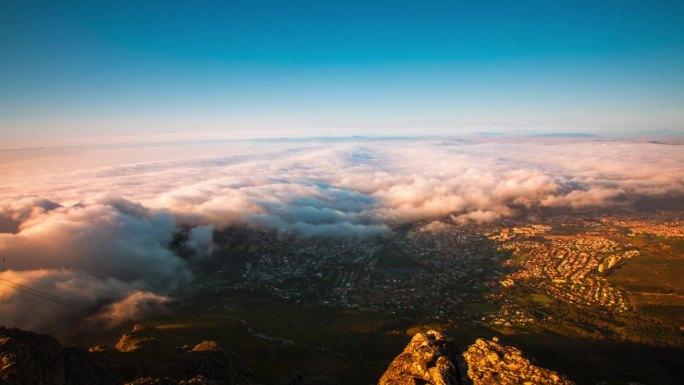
x=66 y=263
x=99 y=237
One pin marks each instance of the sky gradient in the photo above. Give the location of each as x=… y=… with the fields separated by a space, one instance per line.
x=291 y=68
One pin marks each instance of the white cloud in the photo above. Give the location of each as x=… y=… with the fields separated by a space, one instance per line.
x=107 y=230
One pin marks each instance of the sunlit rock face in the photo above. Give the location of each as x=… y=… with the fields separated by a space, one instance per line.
x=490 y=363
x=145 y=338
x=428 y=359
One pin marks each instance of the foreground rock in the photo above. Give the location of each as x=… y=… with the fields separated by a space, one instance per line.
x=28 y=358
x=428 y=359
x=143 y=357
x=490 y=363
x=148 y=356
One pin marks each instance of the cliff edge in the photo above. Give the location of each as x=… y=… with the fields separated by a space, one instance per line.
x=427 y=360
x=430 y=359
x=490 y=363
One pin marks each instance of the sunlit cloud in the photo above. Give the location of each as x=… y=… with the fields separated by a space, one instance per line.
x=101 y=236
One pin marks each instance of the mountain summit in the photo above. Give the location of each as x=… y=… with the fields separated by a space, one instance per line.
x=428 y=359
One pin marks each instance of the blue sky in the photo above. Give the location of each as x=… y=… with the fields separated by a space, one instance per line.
x=99 y=69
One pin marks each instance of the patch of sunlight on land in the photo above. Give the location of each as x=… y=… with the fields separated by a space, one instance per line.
x=541 y=299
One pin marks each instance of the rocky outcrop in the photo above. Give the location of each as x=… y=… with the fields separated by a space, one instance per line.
x=145 y=338
x=82 y=367
x=210 y=360
x=429 y=359
x=490 y=363
x=28 y=358
x=147 y=356
x=143 y=356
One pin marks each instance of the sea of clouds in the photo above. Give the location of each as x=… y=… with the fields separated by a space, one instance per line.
x=93 y=226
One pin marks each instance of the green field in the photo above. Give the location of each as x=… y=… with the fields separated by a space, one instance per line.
x=540 y=299
x=654 y=279
x=480 y=307
x=353 y=345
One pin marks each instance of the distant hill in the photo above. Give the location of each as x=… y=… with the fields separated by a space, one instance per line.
x=566 y=135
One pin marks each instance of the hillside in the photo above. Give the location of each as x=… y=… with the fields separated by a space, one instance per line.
x=147 y=356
